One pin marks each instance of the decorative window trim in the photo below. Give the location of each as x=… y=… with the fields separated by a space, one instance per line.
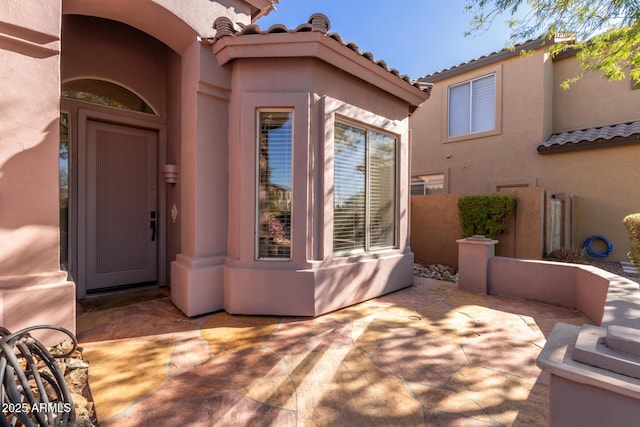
x=497 y=71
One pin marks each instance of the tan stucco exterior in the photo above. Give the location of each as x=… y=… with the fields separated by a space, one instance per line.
x=531 y=106
x=203 y=90
x=435 y=230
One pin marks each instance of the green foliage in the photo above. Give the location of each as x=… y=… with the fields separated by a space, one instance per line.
x=485 y=215
x=632 y=224
x=605 y=33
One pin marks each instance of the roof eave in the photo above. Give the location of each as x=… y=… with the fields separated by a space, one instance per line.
x=486 y=60
x=261 y=7
x=317 y=45
x=589 y=145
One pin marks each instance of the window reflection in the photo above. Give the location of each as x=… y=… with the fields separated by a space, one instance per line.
x=275 y=145
x=105 y=93
x=63 y=185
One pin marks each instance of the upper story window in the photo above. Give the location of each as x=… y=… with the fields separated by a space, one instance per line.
x=105 y=93
x=364 y=189
x=275 y=167
x=472 y=106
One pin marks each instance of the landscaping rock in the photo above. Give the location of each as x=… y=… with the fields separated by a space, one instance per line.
x=436 y=271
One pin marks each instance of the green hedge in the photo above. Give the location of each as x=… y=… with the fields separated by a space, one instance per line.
x=632 y=224
x=486 y=215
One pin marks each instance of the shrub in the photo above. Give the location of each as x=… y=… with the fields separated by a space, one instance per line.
x=485 y=215
x=632 y=224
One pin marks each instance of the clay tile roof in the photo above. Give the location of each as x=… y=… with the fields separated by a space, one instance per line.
x=275 y=28
x=317 y=23
x=483 y=60
x=604 y=136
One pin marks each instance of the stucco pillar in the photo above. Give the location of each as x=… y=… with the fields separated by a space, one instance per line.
x=33 y=290
x=594 y=375
x=473 y=262
x=197 y=273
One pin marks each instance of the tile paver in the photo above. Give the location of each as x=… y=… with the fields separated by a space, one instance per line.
x=427 y=355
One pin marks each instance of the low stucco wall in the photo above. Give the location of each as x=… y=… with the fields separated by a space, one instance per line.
x=603 y=297
x=313 y=292
x=542 y=281
x=435 y=227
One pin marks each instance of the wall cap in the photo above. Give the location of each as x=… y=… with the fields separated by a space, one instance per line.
x=477 y=239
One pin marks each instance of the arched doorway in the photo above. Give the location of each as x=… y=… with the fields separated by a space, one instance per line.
x=117 y=107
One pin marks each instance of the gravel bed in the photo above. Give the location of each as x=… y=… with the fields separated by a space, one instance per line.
x=450 y=274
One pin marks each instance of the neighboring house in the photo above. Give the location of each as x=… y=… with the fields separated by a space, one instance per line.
x=175 y=143
x=502 y=122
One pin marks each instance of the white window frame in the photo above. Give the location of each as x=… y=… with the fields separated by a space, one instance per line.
x=469 y=79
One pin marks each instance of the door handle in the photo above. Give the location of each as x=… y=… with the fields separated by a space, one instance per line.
x=152 y=224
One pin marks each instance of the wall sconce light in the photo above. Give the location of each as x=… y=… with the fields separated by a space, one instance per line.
x=170 y=173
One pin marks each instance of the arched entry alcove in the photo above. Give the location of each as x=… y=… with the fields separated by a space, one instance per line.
x=120 y=106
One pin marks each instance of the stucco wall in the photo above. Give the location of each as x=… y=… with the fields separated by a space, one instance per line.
x=533 y=106
x=476 y=165
x=591 y=101
x=435 y=227
x=33 y=290
x=28 y=136
x=99 y=48
x=602 y=181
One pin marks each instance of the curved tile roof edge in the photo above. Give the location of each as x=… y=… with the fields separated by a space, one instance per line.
x=318 y=22
x=589 y=136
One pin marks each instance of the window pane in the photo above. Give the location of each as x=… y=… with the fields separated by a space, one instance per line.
x=434 y=183
x=382 y=185
x=105 y=93
x=349 y=188
x=63 y=190
x=459 y=110
x=483 y=104
x=275 y=137
x=418 y=188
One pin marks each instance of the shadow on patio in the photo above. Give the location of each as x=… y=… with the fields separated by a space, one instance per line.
x=426 y=355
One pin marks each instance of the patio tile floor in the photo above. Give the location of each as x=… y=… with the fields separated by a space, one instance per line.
x=426 y=355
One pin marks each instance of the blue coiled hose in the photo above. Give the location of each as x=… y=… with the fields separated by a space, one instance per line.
x=592 y=253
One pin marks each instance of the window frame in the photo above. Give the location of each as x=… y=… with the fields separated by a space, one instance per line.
x=417 y=179
x=367 y=246
x=468 y=79
x=258 y=112
x=87 y=95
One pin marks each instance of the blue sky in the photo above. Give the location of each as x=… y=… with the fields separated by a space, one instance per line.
x=417 y=37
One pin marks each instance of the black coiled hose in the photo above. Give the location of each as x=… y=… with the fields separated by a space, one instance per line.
x=33 y=389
